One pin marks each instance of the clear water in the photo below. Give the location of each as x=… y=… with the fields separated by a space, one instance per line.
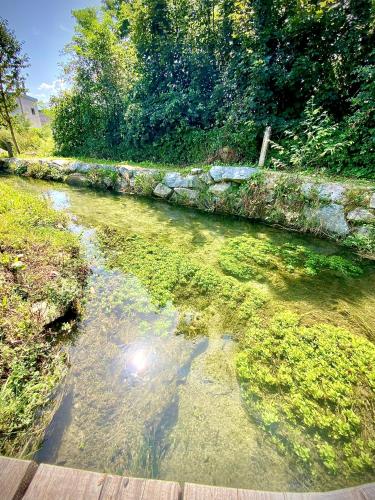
x=138 y=399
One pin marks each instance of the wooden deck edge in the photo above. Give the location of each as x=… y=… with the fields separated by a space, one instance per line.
x=15 y=477
x=25 y=479
x=28 y=477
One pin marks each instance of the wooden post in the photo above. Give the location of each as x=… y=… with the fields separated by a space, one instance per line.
x=265 y=143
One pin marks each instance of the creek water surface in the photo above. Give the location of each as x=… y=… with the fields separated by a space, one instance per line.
x=140 y=400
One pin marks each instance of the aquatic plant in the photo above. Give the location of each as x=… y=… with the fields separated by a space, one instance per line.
x=246 y=257
x=171 y=276
x=312 y=389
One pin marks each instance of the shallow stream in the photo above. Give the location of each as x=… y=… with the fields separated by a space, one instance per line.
x=140 y=400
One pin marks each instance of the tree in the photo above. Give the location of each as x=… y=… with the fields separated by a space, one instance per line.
x=12 y=82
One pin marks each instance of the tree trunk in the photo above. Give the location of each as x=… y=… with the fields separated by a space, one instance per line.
x=13 y=135
x=9 y=120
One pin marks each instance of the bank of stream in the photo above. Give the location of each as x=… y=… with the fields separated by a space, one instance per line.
x=152 y=389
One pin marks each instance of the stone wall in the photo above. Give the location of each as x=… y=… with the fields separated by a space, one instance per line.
x=344 y=211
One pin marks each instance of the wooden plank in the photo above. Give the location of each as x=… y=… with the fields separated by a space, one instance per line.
x=345 y=494
x=122 y=488
x=202 y=492
x=15 y=477
x=51 y=482
x=161 y=490
x=259 y=495
x=368 y=491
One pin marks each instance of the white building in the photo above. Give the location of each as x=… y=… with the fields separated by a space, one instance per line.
x=28 y=107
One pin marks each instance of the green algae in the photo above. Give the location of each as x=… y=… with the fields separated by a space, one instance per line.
x=170 y=276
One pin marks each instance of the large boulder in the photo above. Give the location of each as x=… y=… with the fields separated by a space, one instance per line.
x=234 y=174
x=330 y=219
x=361 y=215
x=176 y=180
x=83 y=168
x=331 y=191
x=185 y=195
x=162 y=191
x=77 y=180
x=219 y=189
x=64 y=166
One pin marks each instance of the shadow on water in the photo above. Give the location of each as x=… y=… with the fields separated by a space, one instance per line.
x=140 y=400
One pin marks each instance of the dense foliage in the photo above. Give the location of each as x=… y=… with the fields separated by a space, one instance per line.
x=198 y=81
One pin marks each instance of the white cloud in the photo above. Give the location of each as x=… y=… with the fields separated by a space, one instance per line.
x=53 y=88
x=41 y=97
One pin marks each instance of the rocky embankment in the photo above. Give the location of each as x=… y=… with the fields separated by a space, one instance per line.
x=344 y=211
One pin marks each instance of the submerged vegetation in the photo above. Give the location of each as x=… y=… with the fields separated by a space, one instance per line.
x=246 y=257
x=41 y=277
x=310 y=387
x=312 y=390
x=170 y=276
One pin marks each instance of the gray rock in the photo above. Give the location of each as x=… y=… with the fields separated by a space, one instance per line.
x=235 y=174
x=372 y=201
x=45 y=311
x=219 y=189
x=331 y=191
x=61 y=162
x=360 y=215
x=306 y=188
x=162 y=191
x=206 y=178
x=196 y=171
x=176 y=180
x=123 y=185
x=330 y=218
x=136 y=171
x=77 y=180
x=185 y=194
x=83 y=168
x=124 y=171
x=64 y=166
x=363 y=230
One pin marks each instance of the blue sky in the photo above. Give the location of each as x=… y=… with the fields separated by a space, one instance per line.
x=45 y=27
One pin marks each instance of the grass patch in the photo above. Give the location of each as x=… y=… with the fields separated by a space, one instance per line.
x=41 y=277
